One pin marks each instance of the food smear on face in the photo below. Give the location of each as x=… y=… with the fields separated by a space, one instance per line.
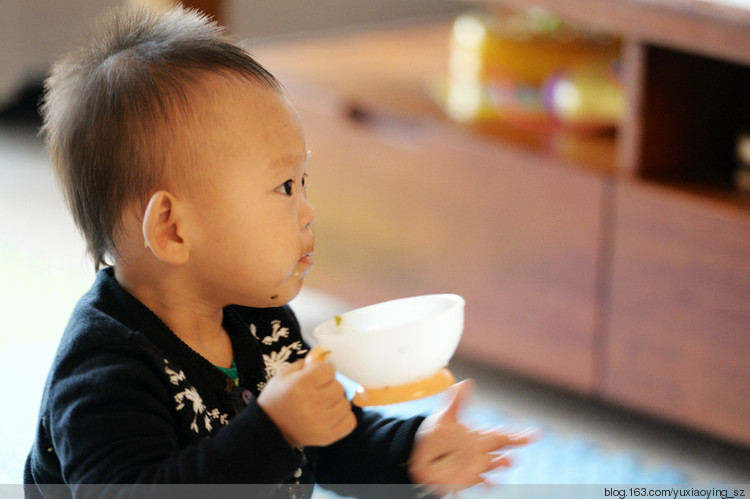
x=338 y=320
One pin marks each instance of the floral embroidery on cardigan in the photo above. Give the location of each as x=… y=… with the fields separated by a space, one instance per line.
x=201 y=414
x=277 y=332
x=279 y=359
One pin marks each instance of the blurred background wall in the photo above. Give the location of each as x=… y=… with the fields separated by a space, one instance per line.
x=268 y=18
x=33 y=32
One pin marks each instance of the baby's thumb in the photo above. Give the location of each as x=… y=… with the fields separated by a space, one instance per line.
x=457 y=398
x=316 y=354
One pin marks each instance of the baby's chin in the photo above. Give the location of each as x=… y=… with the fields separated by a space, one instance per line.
x=281 y=297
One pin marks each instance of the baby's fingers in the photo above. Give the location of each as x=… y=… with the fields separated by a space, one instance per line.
x=499 y=438
x=501 y=461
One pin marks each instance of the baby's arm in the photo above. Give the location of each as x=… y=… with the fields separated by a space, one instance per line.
x=127 y=435
x=376 y=452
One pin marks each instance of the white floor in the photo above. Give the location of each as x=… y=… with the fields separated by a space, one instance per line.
x=34 y=220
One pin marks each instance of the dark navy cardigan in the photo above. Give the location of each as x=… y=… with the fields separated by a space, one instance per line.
x=127 y=402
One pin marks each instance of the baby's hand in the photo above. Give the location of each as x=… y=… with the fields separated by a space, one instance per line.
x=308 y=404
x=450 y=457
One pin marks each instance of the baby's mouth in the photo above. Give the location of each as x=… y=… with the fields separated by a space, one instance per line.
x=307 y=258
x=307 y=261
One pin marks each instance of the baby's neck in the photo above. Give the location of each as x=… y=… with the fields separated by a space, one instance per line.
x=216 y=348
x=197 y=324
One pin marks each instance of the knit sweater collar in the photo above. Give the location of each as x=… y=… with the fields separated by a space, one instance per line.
x=138 y=317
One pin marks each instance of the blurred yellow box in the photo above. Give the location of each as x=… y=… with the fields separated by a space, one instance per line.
x=530 y=68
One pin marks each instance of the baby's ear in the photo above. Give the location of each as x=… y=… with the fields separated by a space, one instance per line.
x=163 y=223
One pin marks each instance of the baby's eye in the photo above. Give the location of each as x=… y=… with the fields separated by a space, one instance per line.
x=285 y=188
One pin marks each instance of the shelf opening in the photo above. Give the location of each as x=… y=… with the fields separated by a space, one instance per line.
x=694 y=109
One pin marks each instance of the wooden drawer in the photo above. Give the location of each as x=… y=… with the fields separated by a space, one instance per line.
x=679 y=336
x=404 y=207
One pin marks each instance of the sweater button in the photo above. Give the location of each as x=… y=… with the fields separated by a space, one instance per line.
x=247 y=396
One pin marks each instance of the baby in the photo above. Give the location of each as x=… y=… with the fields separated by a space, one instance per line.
x=184 y=167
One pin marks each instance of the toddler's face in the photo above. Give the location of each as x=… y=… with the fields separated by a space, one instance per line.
x=252 y=241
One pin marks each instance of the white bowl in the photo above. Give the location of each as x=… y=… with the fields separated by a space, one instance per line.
x=394 y=343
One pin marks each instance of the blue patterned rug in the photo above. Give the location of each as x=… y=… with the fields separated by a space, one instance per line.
x=36 y=299
x=553 y=459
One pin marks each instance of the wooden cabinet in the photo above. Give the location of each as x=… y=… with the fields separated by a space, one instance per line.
x=678 y=337
x=613 y=265
x=678 y=332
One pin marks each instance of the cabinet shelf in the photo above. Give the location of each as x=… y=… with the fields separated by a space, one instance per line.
x=397 y=94
x=718 y=195
x=710 y=28
x=409 y=59
x=686 y=112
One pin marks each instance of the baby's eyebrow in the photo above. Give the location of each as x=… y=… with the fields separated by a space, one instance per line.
x=289 y=159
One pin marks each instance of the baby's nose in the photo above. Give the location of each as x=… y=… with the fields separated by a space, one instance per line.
x=307 y=215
